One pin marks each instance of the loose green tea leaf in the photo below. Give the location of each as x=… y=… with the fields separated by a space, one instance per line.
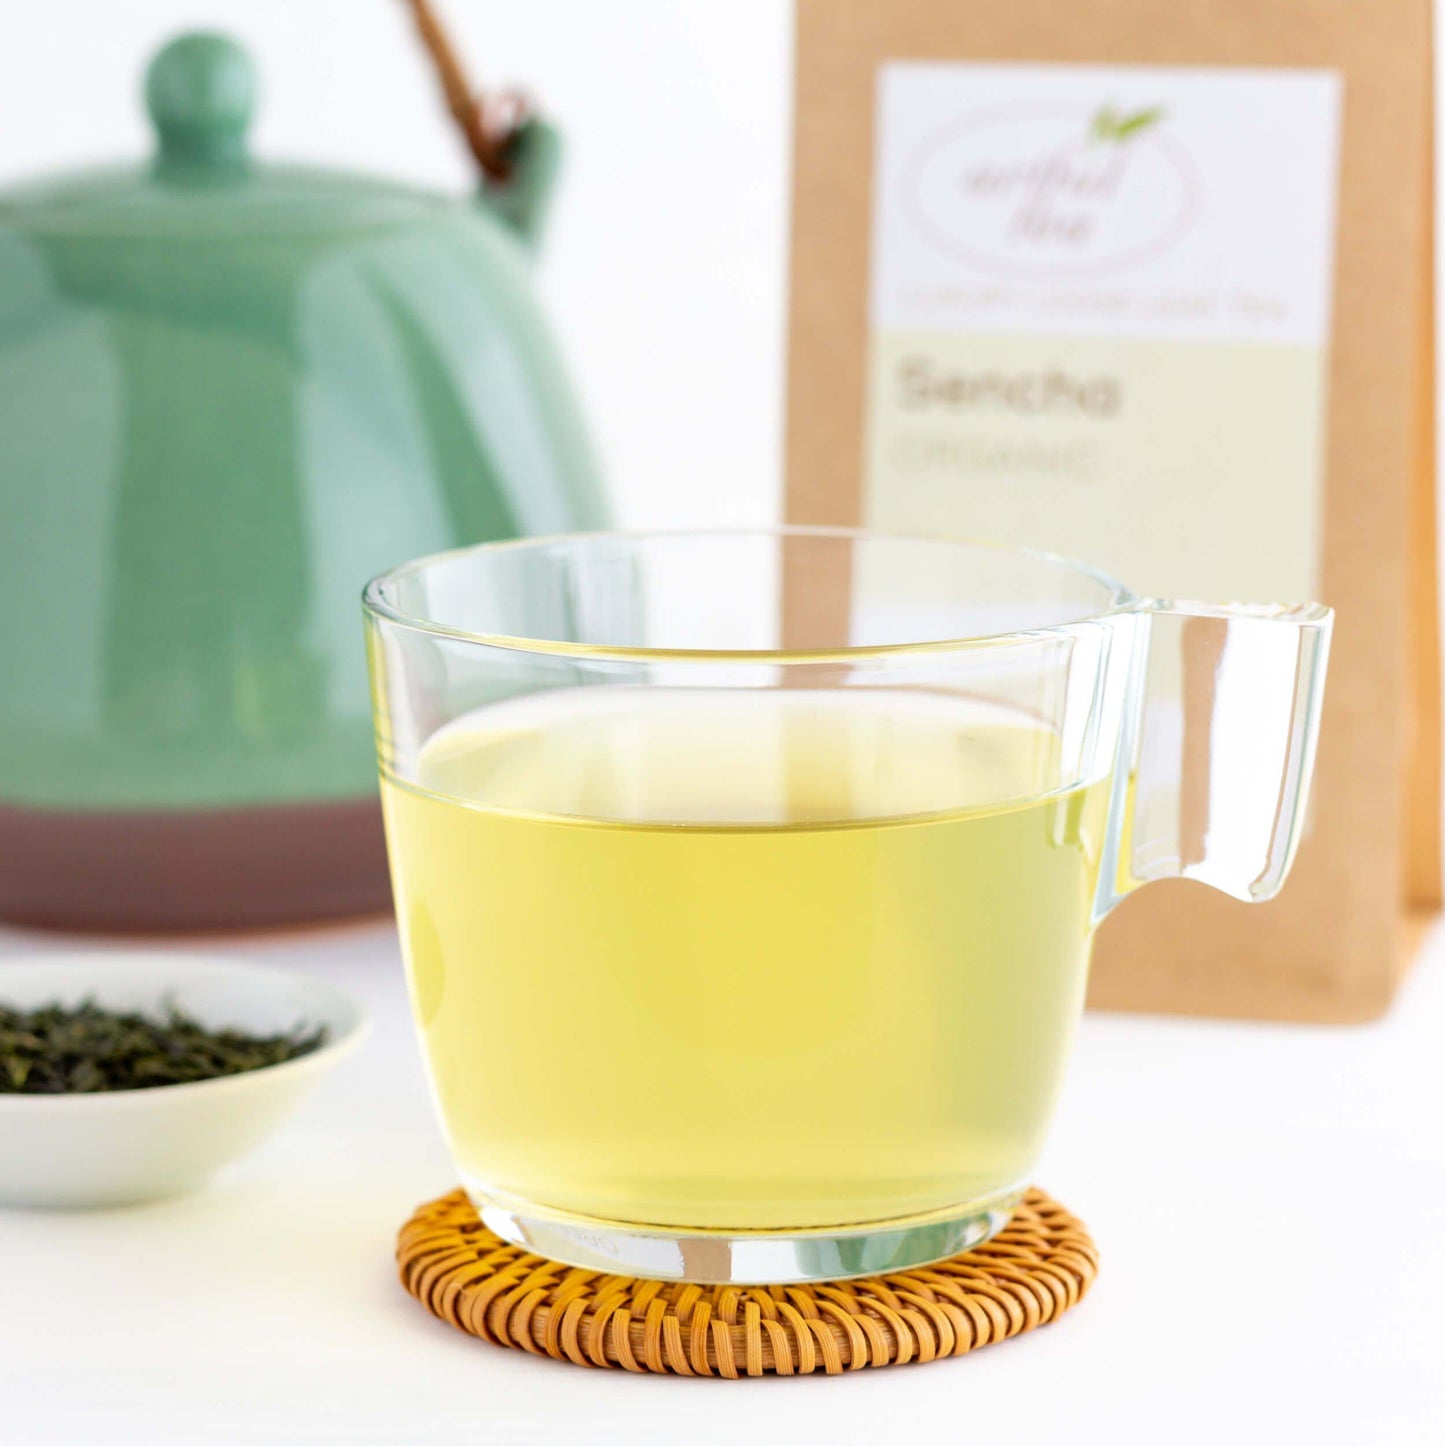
x=85 y=1050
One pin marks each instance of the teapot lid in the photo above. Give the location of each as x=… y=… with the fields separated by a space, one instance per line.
x=200 y=91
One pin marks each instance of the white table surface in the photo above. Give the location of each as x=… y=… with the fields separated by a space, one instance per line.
x=266 y=1308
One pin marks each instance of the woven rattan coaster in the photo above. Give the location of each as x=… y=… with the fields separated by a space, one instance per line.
x=1031 y=1272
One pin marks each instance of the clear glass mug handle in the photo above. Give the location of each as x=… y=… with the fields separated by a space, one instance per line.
x=1219 y=747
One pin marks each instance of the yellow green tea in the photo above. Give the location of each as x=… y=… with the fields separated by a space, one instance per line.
x=752 y=959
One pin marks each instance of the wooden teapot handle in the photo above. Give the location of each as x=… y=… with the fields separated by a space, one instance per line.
x=490 y=120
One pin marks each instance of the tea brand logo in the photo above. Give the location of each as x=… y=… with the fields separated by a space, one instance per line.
x=1052 y=192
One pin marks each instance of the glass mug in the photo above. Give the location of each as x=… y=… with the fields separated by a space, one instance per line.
x=747 y=880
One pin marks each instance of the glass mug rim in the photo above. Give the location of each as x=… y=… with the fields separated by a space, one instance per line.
x=1118 y=598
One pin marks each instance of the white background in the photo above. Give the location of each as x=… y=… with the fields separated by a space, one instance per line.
x=1268 y=1200
x=664 y=266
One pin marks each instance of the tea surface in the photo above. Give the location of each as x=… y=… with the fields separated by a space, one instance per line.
x=753 y=959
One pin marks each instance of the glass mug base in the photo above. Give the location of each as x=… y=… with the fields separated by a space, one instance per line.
x=744 y=1257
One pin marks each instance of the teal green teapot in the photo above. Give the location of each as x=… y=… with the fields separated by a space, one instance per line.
x=230 y=392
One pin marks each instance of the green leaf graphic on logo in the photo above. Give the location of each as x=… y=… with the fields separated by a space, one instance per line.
x=1112 y=127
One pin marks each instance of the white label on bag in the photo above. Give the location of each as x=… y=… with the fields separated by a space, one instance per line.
x=1100 y=316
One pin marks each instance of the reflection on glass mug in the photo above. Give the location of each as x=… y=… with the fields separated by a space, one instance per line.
x=747 y=881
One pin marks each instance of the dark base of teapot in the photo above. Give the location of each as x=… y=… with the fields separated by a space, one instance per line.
x=184 y=871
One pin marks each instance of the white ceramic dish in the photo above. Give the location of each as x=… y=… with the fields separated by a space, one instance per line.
x=125 y=1146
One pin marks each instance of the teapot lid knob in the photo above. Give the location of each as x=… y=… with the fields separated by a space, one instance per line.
x=199 y=91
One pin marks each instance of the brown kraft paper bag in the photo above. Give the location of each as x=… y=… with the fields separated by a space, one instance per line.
x=1148 y=282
